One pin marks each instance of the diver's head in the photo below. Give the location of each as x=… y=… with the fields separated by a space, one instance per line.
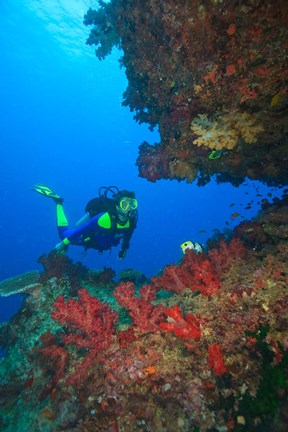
x=125 y=202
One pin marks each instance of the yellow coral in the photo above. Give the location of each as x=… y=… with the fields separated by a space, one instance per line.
x=248 y=127
x=225 y=130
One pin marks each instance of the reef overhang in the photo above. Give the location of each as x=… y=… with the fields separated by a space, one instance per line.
x=212 y=75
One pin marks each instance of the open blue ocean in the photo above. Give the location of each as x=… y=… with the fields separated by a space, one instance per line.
x=63 y=125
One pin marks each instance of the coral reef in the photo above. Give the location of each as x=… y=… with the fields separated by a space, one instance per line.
x=223 y=64
x=211 y=356
x=104 y=32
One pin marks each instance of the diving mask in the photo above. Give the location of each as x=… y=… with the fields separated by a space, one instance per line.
x=127 y=204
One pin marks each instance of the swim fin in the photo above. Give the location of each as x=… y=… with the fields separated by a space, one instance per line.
x=46 y=191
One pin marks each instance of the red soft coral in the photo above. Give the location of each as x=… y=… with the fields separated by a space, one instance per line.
x=226 y=253
x=204 y=277
x=216 y=359
x=89 y=324
x=195 y=272
x=184 y=328
x=145 y=316
x=200 y=272
x=174 y=278
x=53 y=358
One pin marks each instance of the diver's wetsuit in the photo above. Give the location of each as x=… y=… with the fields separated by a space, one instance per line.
x=100 y=232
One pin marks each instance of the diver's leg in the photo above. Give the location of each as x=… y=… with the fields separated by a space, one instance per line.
x=62 y=223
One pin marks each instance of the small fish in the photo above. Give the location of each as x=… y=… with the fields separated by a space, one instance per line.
x=249 y=230
x=202 y=232
x=275 y=99
x=235 y=215
x=215 y=154
x=186 y=245
x=190 y=245
x=232 y=205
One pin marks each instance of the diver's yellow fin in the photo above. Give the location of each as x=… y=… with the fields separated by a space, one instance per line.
x=46 y=191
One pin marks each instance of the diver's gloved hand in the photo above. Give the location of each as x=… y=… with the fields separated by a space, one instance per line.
x=122 y=254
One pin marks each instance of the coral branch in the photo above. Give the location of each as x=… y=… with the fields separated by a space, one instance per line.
x=195 y=272
x=89 y=324
x=145 y=316
x=216 y=360
x=58 y=359
x=184 y=328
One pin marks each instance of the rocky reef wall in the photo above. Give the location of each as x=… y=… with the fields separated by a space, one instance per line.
x=212 y=76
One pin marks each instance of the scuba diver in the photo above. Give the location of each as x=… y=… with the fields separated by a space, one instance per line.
x=109 y=218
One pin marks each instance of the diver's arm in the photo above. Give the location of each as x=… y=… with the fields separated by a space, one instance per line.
x=125 y=243
x=128 y=234
x=83 y=220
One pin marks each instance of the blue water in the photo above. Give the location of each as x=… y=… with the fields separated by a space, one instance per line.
x=62 y=124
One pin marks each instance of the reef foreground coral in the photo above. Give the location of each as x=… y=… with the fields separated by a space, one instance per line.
x=212 y=75
x=210 y=356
